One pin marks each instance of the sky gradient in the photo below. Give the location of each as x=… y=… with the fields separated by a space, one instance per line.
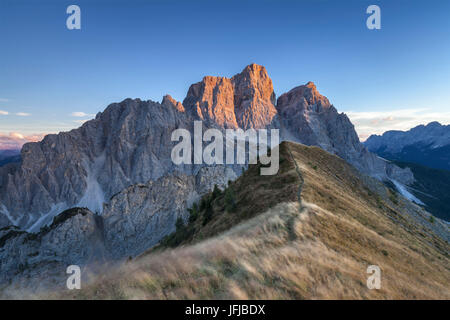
x=52 y=79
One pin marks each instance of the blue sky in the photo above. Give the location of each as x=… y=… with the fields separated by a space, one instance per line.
x=395 y=77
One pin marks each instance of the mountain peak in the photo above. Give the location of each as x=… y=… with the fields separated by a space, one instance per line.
x=169 y=101
x=304 y=97
x=256 y=75
x=246 y=100
x=311 y=85
x=254 y=68
x=434 y=124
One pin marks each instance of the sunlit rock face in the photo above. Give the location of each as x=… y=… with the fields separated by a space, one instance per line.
x=245 y=101
x=130 y=143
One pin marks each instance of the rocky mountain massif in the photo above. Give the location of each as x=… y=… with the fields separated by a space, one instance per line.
x=308 y=232
x=130 y=143
x=118 y=166
x=428 y=145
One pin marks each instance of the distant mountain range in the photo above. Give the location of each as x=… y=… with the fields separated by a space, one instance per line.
x=9 y=156
x=425 y=150
x=426 y=145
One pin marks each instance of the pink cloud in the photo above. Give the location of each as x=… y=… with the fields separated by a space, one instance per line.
x=15 y=140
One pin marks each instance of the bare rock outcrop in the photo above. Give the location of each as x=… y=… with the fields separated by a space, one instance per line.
x=141 y=215
x=245 y=101
x=130 y=143
x=308 y=117
x=41 y=259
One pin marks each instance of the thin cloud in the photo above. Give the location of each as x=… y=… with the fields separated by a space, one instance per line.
x=15 y=140
x=378 y=122
x=20 y=114
x=80 y=114
x=4 y=100
x=16 y=135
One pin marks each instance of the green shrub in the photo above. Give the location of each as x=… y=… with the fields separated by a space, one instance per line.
x=203 y=203
x=181 y=234
x=312 y=166
x=193 y=213
x=230 y=200
x=179 y=224
x=208 y=214
x=216 y=192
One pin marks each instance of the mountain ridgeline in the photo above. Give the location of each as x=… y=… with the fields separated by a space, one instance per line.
x=130 y=143
x=424 y=149
x=428 y=145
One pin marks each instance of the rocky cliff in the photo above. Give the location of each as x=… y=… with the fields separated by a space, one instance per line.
x=130 y=143
x=308 y=117
x=134 y=220
x=42 y=258
x=245 y=101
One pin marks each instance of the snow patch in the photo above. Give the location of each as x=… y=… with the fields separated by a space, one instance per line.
x=404 y=191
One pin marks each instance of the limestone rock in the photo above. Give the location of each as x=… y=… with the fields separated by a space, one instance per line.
x=309 y=118
x=130 y=143
x=245 y=101
x=141 y=215
x=73 y=239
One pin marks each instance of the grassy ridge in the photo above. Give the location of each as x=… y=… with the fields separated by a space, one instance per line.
x=267 y=247
x=248 y=196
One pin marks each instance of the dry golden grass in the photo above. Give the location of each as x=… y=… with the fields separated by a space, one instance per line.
x=317 y=250
x=278 y=255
